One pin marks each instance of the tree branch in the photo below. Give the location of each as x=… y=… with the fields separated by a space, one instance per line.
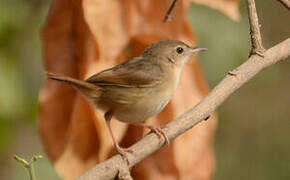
x=259 y=60
x=256 y=40
x=151 y=143
x=285 y=3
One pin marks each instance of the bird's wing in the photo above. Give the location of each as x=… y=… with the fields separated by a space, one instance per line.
x=135 y=73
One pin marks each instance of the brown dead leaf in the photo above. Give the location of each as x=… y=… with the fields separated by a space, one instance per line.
x=83 y=37
x=228 y=7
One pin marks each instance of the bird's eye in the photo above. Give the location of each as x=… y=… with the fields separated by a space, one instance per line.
x=179 y=50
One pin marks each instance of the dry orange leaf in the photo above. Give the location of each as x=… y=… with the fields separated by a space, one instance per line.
x=83 y=37
x=228 y=7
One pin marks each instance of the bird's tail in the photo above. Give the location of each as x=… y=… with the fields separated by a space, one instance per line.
x=89 y=90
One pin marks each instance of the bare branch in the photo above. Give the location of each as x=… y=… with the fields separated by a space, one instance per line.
x=285 y=3
x=167 y=17
x=256 y=40
x=109 y=169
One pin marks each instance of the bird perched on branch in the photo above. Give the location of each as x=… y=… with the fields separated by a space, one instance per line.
x=137 y=89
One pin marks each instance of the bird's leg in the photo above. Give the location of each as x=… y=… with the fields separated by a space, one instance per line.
x=122 y=151
x=157 y=130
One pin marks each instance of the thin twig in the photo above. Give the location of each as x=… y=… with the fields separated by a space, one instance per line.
x=285 y=3
x=28 y=165
x=109 y=169
x=167 y=17
x=256 y=40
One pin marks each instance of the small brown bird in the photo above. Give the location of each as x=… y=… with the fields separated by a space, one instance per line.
x=137 y=89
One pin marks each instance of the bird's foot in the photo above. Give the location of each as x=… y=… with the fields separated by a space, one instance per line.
x=159 y=132
x=123 y=152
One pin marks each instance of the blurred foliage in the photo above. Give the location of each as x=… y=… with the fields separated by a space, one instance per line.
x=20 y=77
x=252 y=140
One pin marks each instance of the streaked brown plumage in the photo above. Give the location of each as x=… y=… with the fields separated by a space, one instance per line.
x=138 y=88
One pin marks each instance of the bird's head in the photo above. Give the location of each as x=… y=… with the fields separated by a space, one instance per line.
x=171 y=51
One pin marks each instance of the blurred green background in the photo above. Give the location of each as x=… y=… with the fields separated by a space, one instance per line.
x=253 y=135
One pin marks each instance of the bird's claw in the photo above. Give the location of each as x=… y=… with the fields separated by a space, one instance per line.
x=123 y=152
x=160 y=133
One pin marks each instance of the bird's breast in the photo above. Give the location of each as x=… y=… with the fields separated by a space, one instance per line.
x=153 y=102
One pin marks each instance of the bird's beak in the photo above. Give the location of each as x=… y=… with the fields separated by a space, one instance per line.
x=197 y=49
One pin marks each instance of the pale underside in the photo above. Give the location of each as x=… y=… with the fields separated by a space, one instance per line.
x=138 y=96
